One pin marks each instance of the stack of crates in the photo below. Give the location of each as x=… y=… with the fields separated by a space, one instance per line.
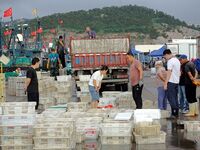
x=83 y=84
x=54 y=133
x=78 y=106
x=116 y=133
x=148 y=133
x=64 y=92
x=16 y=125
x=192 y=126
x=87 y=128
x=12 y=86
x=126 y=100
x=192 y=129
x=105 y=101
x=2 y=88
x=20 y=85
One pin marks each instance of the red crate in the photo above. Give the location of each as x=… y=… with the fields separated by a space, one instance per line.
x=96 y=60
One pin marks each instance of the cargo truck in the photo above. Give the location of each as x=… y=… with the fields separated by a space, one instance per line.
x=87 y=56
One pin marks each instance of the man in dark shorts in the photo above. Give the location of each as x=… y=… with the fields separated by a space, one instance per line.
x=32 y=82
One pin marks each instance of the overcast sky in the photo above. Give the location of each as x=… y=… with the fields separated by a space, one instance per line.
x=186 y=10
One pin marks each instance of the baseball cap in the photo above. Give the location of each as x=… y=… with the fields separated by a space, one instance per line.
x=183 y=57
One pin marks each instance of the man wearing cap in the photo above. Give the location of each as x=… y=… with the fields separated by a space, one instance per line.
x=190 y=74
x=136 y=78
x=172 y=81
x=183 y=103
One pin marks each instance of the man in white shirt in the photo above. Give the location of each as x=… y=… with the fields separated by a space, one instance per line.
x=95 y=85
x=172 y=81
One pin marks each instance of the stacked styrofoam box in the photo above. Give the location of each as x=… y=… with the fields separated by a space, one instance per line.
x=85 y=96
x=64 y=92
x=98 y=113
x=46 y=102
x=88 y=127
x=2 y=88
x=89 y=145
x=46 y=87
x=164 y=114
x=104 y=101
x=16 y=125
x=77 y=106
x=54 y=132
x=20 y=85
x=126 y=100
x=148 y=133
x=192 y=126
x=116 y=132
x=84 y=85
x=12 y=86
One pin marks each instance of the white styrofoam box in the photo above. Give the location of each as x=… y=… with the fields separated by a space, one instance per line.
x=12 y=86
x=158 y=146
x=119 y=140
x=88 y=132
x=117 y=147
x=143 y=114
x=53 y=113
x=107 y=101
x=20 y=83
x=150 y=139
x=192 y=126
x=80 y=137
x=193 y=136
x=16 y=140
x=52 y=142
x=111 y=93
x=116 y=129
x=47 y=100
x=74 y=115
x=16 y=130
x=15 y=147
x=84 y=77
x=78 y=106
x=152 y=129
x=53 y=130
x=91 y=145
x=9 y=108
x=64 y=78
x=25 y=119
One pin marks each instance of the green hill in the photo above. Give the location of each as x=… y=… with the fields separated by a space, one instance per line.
x=115 y=20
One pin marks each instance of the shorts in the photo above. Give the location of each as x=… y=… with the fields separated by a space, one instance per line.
x=94 y=94
x=33 y=97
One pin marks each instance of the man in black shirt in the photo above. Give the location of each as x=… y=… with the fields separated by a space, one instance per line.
x=190 y=75
x=61 y=50
x=32 y=82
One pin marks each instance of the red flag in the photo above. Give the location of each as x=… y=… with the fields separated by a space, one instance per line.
x=7 y=32
x=8 y=12
x=33 y=33
x=39 y=30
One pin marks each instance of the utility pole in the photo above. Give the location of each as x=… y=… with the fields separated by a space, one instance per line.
x=1 y=37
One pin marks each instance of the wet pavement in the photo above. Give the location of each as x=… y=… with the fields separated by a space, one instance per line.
x=176 y=139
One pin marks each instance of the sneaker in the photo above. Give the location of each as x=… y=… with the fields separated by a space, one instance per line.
x=184 y=111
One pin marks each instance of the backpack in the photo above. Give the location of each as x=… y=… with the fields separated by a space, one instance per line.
x=197 y=64
x=53 y=61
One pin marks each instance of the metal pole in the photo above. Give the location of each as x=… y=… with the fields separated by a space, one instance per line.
x=0 y=37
